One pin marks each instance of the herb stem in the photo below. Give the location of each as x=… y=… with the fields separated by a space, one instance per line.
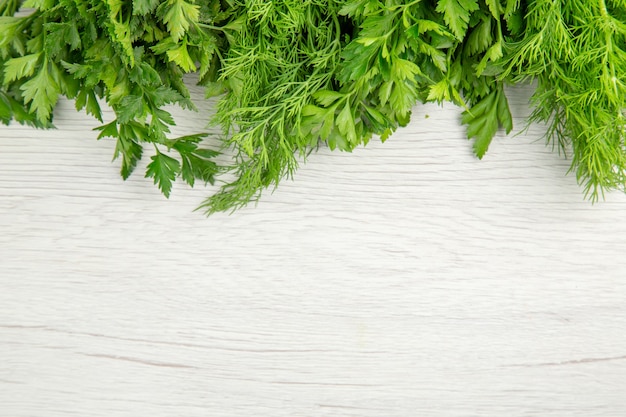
x=212 y=27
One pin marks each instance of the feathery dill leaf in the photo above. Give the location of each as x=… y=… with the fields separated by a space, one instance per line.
x=575 y=50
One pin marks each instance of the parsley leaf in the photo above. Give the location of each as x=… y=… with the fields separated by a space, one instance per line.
x=456 y=14
x=164 y=170
x=484 y=119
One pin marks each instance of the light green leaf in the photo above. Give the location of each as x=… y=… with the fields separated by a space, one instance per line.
x=345 y=124
x=456 y=14
x=20 y=67
x=180 y=56
x=42 y=92
x=404 y=69
x=494 y=7
x=439 y=91
x=384 y=92
x=178 y=16
x=493 y=53
x=328 y=124
x=311 y=110
x=9 y=27
x=143 y=7
x=326 y=98
x=39 y=4
x=123 y=38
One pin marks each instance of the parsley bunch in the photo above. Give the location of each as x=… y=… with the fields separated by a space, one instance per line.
x=293 y=75
x=132 y=54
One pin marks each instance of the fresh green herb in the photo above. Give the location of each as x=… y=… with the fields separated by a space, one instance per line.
x=293 y=75
x=132 y=54
x=576 y=50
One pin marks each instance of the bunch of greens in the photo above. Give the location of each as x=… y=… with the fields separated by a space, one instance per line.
x=293 y=75
x=133 y=54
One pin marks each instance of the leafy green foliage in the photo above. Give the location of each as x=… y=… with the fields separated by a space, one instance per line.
x=456 y=13
x=130 y=54
x=576 y=50
x=484 y=119
x=294 y=75
x=279 y=55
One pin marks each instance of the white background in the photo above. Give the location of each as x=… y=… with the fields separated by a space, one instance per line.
x=404 y=279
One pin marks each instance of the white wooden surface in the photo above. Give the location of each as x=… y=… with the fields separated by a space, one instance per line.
x=405 y=279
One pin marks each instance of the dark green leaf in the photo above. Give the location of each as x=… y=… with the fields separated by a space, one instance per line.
x=163 y=169
x=108 y=130
x=130 y=107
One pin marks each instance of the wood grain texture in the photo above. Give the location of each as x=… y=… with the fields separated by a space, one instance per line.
x=404 y=279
